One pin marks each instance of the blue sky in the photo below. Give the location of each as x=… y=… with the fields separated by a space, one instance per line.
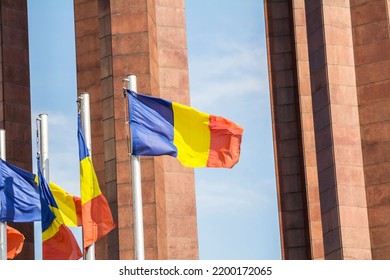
x=236 y=208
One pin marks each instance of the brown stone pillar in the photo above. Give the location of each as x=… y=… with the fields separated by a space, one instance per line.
x=371 y=38
x=15 y=112
x=345 y=90
x=114 y=39
x=348 y=44
x=337 y=127
x=296 y=167
x=177 y=182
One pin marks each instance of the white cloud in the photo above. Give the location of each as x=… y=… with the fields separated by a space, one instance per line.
x=236 y=71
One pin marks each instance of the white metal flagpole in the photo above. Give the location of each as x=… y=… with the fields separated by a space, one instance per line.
x=137 y=192
x=3 y=225
x=2 y=145
x=44 y=146
x=43 y=133
x=89 y=253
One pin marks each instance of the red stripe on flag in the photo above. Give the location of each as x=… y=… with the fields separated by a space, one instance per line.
x=225 y=142
x=62 y=246
x=97 y=220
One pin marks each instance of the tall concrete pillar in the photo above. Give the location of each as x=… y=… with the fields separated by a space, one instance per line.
x=371 y=39
x=337 y=125
x=343 y=95
x=146 y=38
x=15 y=112
x=293 y=131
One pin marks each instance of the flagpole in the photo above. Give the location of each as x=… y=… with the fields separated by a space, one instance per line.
x=85 y=114
x=43 y=133
x=137 y=192
x=3 y=225
x=44 y=146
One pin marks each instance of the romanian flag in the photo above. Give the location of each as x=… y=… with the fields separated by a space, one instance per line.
x=19 y=195
x=197 y=139
x=58 y=242
x=15 y=241
x=96 y=214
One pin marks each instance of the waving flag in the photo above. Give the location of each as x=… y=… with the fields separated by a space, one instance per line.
x=58 y=242
x=19 y=195
x=15 y=241
x=96 y=214
x=197 y=139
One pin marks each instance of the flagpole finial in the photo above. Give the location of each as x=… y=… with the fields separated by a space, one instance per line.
x=132 y=82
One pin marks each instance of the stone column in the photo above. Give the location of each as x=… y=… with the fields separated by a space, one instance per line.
x=145 y=38
x=371 y=38
x=294 y=143
x=15 y=111
x=337 y=129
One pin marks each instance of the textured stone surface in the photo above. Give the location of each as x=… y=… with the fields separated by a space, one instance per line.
x=372 y=57
x=297 y=180
x=346 y=46
x=146 y=38
x=15 y=111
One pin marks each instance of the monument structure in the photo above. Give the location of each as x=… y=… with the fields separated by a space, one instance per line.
x=15 y=111
x=147 y=38
x=329 y=70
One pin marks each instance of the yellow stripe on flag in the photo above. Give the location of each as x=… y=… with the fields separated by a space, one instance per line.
x=191 y=135
x=66 y=205
x=54 y=226
x=89 y=182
